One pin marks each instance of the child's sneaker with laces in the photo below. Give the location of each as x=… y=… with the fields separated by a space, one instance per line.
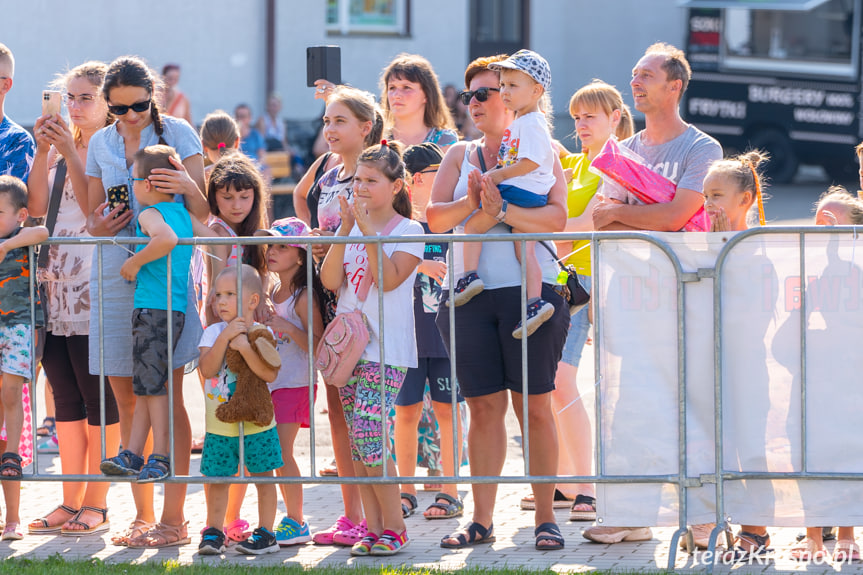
x=538 y=313
x=466 y=289
x=364 y=546
x=212 y=542
x=390 y=543
x=289 y=532
x=325 y=537
x=352 y=535
x=261 y=541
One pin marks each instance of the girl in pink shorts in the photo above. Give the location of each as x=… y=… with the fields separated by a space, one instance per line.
x=290 y=320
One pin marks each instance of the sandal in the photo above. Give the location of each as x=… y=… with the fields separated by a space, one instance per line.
x=162 y=535
x=846 y=550
x=452 y=508
x=48 y=427
x=468 y=536
x=757 y=547
x=34 y=528
x=12 y=532
x=10 y=461
x=103 y=526
x=237 y=530
x=560 y=501
x=580 y=514
x=138 y=528
x=409 y=507
x=548 y=532
x=157 y=468
x=124 y=463
x=808 y=550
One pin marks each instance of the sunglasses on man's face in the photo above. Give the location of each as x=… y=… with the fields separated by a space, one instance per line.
x=480 y=93
x=136 y=107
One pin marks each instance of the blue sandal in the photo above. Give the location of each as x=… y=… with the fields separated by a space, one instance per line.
x=468 y=536
x=124 y=463
x=157 y=468
x=550 y=533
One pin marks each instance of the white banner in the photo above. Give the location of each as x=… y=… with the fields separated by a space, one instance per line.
x=761 y=325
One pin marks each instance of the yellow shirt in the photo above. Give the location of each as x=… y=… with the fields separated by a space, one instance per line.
x=579 y=192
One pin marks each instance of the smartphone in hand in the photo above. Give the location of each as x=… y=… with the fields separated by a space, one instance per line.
x=51 y=100
x=323 y=63
x=118 y=195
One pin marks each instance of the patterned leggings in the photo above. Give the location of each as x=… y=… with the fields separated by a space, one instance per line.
x=361 y=401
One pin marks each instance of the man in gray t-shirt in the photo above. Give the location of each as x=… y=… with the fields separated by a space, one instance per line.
x=677 y=150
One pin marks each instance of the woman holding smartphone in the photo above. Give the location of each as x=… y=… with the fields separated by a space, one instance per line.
x=65 y=277
x=130 y=89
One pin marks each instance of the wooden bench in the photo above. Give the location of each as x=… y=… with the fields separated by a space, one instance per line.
x=279 y=164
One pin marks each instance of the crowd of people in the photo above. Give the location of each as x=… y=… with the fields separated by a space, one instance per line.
x=125 y=162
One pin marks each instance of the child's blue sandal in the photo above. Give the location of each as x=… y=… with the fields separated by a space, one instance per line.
x=124 y=463
x=157 y=468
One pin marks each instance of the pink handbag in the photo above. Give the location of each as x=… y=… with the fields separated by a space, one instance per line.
x=345 y=339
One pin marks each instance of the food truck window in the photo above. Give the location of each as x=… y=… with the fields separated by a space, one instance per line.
x=823 y=41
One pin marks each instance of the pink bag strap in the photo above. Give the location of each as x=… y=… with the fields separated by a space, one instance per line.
x=366 y=282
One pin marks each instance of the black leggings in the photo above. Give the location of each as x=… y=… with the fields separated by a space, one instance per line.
x=76 y=391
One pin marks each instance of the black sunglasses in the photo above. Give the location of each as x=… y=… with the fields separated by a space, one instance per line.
x=480 y=93
x=136 y=107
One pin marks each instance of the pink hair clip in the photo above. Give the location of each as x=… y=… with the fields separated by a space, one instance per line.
x=221 y=145
x=383 y=142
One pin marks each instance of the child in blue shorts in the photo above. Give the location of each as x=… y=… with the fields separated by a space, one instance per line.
x=524 y=176
x=221 y=456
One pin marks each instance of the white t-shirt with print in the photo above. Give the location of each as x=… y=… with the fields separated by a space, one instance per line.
x=399 y=336
x=528 y=137
x=219 y=389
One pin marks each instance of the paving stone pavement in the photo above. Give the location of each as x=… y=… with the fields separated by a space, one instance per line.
x=322 y=504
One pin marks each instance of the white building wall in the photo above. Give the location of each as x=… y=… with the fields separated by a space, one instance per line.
x=438 y=31
x=218 y=43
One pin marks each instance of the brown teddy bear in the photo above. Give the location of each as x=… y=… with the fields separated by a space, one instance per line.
x=251 y=400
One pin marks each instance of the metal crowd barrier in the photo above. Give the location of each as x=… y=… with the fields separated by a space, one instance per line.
x=679 y=479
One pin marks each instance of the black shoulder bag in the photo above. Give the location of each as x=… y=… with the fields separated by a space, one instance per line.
x=573 y=292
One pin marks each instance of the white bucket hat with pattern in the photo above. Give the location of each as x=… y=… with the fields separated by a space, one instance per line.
x=530 y=63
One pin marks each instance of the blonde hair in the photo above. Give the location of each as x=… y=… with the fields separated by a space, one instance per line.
x=8 y=59
x=251 y=279
x=601 y=96
x=742 y=170
x=94 y=72
x=841 y=196
x=362 y=105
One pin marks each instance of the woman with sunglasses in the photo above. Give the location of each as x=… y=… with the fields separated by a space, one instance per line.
x=129 y=88
x=488 y=366
x=65 y=277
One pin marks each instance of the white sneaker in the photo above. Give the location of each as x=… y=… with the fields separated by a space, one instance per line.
x=609 y=535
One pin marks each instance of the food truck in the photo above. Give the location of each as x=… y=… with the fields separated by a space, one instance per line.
x=780 y=75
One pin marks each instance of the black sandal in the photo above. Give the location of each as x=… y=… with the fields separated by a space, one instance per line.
x=452 y=508
x=555 y=537
x=408 y=510
x=88 y=529
x=578 y=515
x=10 y=460
x=468 y=536
x=759 y=547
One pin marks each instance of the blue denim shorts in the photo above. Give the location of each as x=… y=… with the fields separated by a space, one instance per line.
x=578 y=328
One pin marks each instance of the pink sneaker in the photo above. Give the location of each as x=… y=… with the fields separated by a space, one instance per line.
x=326 y=537
x=351 y=536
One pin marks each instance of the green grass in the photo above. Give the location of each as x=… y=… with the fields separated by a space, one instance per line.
x=57 y=566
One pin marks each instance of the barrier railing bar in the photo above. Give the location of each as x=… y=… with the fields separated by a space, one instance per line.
x=385 y=414
x=172 y=471
x=525 y=421
x=803 y=461
x=310 y=339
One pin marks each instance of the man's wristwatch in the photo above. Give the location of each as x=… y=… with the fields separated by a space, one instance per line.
x=501 y=215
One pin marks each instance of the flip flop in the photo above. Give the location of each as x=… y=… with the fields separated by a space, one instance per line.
x=468 y=536
x=846 y=550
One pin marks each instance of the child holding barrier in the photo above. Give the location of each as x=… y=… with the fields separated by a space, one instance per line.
x=381 y=206
x=16 y=335
x=524 y=175
x=221 y=443
x=290 y=322
x=162 y=220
